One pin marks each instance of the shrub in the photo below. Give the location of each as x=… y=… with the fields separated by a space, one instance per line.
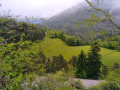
x=104 y=71
x=79 y=85
x=16 y=65
x=52 y=82
x=116 y=66
x=110 y=85
x=73 y=61
x=57 y=63
x=81 y=66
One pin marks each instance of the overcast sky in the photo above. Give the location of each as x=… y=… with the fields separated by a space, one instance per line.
x=45 y=8
x=37 y=8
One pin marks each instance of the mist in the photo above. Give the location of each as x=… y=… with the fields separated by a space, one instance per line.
x=37 y=8
x=49 y=8
x=112 y=5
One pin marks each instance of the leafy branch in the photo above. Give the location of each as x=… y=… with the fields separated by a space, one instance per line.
x=95 y=19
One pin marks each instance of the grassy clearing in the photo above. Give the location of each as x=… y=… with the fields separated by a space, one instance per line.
x=54 y=47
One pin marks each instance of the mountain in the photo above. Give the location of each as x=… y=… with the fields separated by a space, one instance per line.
x=68 y=19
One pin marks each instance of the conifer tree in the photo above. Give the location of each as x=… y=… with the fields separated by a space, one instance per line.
x=93 y=62
x=81 y=66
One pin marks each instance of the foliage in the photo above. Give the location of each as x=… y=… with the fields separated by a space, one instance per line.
x=87 y=16
x=34 y=32
x=114 y=75
x=57 y=81
x=12 y=31
x=56 y=64
x=89 y=67
x=17 y=59
x=111 y=38
x=73 y=61
x=106 y=86
x=95 y=19
x=18 y=64
x=69 y=40
x=94 y=62
x=104 y=71
x=116 y=66
x=81 y=66
x=109 y=57
x=111 y=41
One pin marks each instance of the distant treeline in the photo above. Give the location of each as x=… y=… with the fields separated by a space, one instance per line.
x=69 y=40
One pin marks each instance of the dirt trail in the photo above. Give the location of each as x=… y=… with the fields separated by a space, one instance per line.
x=89 y=83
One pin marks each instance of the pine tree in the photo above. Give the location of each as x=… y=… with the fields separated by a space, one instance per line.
x=93 y=62
x=81 y=66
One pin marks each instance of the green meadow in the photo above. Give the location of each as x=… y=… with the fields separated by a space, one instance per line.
x=55 y=47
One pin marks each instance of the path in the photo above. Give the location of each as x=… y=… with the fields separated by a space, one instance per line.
x=89 y=83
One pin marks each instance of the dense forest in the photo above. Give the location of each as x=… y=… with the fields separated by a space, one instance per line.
x=29 y=62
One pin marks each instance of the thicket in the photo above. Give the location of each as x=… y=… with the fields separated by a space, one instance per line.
x=56 y=64
x=89 y=65
x=69 y=40
x=114 y=73
x=11 y=30
x=106 y=41
x=19 y=63
x=110 y=85
x=17 y=60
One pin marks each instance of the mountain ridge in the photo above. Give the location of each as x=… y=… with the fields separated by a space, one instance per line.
x=68 y=19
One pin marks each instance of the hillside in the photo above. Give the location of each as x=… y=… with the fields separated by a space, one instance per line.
x=76 y=56
x=54 y=47
x=68 y=19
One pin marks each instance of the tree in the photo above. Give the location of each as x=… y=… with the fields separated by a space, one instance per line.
x=58 y=63
x=81 y=66
x=93 y=62
x=73 y=61
x=96 y=19
x=104 y=71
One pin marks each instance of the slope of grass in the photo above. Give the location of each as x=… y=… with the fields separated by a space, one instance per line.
x=54 y=47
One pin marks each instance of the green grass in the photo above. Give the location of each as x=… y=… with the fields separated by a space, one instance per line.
x=55 y=47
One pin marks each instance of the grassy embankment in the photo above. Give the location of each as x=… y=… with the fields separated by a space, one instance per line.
x=54 y=47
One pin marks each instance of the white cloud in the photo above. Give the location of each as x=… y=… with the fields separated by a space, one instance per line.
x=37 y=8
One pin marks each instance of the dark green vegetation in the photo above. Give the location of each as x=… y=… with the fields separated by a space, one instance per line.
x=28 y=55
x=85 y=64
x=34 y=57
x=16 y=62
x=73 y=22
x=106 y=86
x=109 y=57
x=69 y=40
x=12 y=31
x=22 y=59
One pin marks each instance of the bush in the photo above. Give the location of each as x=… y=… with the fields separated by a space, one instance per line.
x=16 y=65
x=79 y=85
x=58 y=81
x=104 y=71
x=73 y=61
x=106 y=86
x=56 y=64
x=114 y=75
x=116 y=66
x=52 y=82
